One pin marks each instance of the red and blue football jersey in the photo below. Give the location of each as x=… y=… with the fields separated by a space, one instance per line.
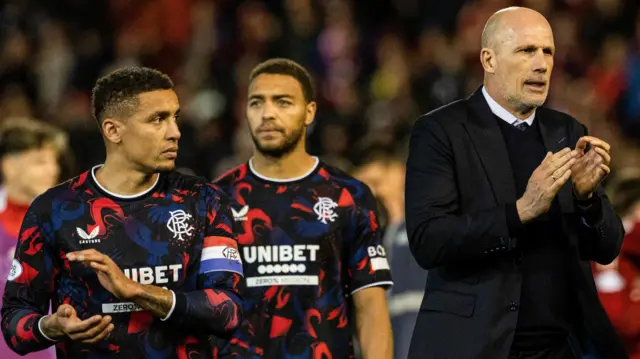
x=176 y=235
x=307 y=245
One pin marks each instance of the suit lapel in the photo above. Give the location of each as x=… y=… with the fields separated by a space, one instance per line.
x=555 y=138
x=488 y=141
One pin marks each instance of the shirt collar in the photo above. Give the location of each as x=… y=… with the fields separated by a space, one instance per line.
x=502 y=113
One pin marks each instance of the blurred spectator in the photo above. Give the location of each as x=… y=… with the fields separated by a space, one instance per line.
x=619 y=282
x=384 y=174
x=377 y=67
x=30 y=163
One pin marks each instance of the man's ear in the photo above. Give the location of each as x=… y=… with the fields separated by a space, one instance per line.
x=310 y=113
x=488 y=60
x=112 y=130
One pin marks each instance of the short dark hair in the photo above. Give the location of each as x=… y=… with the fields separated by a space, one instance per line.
x=23 y=134
x=116 y=93
x=281 y=66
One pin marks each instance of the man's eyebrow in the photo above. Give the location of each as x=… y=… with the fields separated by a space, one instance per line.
x=274 y=96
x=161 y=114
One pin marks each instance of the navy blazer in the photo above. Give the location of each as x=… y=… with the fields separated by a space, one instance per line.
x=459 y=189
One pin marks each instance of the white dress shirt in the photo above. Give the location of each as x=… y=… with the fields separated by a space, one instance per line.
x=503 y=114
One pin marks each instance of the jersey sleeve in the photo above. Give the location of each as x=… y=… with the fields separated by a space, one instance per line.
x=367 y=261
x=30 y=284
x=216 y=307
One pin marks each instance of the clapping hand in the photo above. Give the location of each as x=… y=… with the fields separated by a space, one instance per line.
x=64 y=323
x=591 y=167
x=109 y=274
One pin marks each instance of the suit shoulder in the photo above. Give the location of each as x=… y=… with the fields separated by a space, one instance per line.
x=445 y=115
x=440 y=124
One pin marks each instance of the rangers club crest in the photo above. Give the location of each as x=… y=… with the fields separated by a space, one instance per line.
x=178 y=225
x=324 y=208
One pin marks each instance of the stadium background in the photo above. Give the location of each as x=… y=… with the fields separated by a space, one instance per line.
x=378 y=65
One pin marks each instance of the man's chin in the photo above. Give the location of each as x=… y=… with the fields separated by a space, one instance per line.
x=271 y=145
x=271 y=148
x=166 y=166
x=537 y=100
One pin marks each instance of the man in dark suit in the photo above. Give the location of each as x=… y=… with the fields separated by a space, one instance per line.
x=504 y=207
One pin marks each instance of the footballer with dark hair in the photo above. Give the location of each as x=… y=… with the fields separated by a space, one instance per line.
x=137 y=260
x=316 y=270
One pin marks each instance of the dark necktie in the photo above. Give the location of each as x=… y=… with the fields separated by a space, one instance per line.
x=522 y=126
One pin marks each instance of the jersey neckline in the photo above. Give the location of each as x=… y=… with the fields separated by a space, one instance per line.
x=120 y=196
x=309 y=173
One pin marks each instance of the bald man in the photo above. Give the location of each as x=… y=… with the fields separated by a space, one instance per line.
x=504 y=206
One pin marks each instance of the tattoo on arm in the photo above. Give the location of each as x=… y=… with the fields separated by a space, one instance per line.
x=154 y=299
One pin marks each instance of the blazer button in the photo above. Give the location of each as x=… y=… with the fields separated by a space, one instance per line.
x=513 y=307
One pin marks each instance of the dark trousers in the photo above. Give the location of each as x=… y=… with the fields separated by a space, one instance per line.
x=563 y=350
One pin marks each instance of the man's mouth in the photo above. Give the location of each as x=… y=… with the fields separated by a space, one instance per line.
x=269 y=131
x=171 y=152
x=537 y=85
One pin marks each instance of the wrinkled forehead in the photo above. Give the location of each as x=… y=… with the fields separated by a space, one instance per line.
x=538 y=34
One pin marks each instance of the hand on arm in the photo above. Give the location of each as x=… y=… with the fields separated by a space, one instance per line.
x=373 y=324
x=156 y=300
x=214 y=308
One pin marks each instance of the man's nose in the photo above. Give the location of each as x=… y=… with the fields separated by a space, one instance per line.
x=540 y=62
x=268 y=111
x=173 y=132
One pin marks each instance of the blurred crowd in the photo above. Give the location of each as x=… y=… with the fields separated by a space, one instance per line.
x=377 y=65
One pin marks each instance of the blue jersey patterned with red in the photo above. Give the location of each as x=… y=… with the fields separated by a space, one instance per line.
x=177 y=235
x=307 y=245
